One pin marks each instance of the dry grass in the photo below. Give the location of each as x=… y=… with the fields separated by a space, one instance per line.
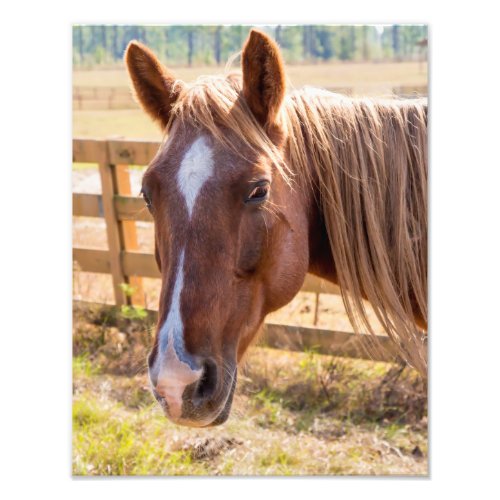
x=294 y=414
x=373 y=79
x=370 y=76
x=130 y=123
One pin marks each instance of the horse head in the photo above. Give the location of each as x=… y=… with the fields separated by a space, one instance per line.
x=229 y=227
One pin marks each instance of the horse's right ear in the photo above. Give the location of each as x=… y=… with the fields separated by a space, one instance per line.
x=156 y=89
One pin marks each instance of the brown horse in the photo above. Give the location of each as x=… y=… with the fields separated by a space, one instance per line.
x=252 y=189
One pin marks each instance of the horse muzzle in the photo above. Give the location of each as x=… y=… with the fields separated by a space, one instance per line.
x=197 y=397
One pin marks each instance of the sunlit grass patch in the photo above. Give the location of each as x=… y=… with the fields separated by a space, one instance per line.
x=293 y=413
x=83 y=367
x=308 y=385
x=109 y=439
x=279 y=461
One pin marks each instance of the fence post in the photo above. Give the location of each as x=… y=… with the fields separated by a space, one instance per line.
x=126 y=228
x=112 y=227
x=128 y=231
x=316 y=309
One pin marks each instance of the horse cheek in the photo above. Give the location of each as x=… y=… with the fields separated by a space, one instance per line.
x=289 y=270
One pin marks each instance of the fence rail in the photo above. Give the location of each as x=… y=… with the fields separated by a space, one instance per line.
x=126 y=207
x=98 y=98
x=305 y=338
x=127 y=265
x=123 y=261
x=119 y=209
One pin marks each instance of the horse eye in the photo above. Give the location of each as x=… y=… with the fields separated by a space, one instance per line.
x=146 y=200
x=259 y=193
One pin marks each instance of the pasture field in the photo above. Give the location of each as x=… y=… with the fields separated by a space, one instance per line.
x=334 y=74
x=370 y=79
x=293 y=414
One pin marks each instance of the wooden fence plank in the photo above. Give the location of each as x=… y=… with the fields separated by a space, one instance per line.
x=301 y=338
x=92 y=261
x=87 y=205
x=112 y=102
x=88 y=150
x=132 y=208
x=133 y=263
x=140 y=264
x=101 y=92
x=112 y=228
x=128 y=232
x=127 y=208
x=132 y=152
x=144 y=264
x=411 y=91
x=127 y=152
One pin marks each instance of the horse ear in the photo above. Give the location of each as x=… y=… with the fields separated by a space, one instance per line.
x=154 y=86
x=263 y=77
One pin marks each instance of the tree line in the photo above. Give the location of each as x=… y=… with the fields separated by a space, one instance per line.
x=213 y=45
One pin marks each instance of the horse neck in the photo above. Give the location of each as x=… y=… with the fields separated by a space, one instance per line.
x=321 y=262
x=317 y=147
x=366 y=162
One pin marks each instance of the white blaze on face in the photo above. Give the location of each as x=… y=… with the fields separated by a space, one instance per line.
x=172 y=371
x=196 y=168
x=173 y=326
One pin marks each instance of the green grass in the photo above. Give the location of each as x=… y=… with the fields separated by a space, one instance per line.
x=293 y=413
x=83 y=367
x=111 y=440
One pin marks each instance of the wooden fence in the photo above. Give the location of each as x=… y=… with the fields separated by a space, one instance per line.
x=410 y=91
x=103 y=98
x=98 y=98
x=127 y=265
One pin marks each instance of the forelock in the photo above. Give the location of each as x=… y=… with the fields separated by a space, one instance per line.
x=215 y=106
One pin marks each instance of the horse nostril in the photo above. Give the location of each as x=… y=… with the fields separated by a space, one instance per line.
x=208 y=382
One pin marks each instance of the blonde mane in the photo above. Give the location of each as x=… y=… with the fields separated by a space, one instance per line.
x=366 y=161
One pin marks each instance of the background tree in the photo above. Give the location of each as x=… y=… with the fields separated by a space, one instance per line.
x=396 y=43
x=207 y=45
x=218 y=44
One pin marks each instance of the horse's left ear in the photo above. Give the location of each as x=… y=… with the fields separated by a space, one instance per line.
x=263 y=77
